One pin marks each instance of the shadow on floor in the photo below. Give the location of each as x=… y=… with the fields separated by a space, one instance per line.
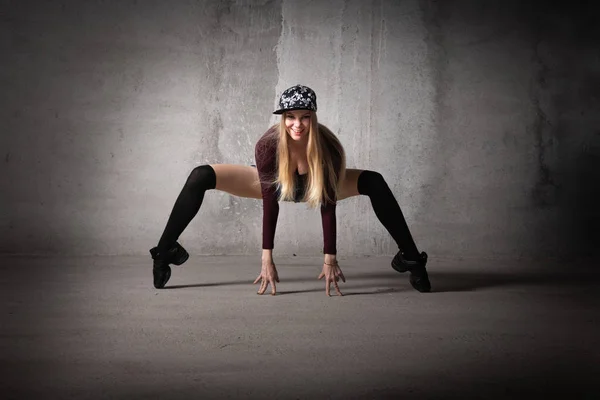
x=387 y=282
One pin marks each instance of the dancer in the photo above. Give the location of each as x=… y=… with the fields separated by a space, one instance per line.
x=297 y=160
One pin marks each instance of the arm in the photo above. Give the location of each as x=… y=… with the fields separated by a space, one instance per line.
x=329 y=222
x=331 y=270
x=328 y=218
x=266 y=158
x=265 y=155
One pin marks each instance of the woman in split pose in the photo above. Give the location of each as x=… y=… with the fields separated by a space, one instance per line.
x=297 y=160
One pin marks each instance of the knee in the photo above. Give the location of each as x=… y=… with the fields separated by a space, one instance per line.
x=203 y=177
x=370 y=182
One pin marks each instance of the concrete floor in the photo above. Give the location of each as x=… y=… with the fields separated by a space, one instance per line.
x=94 y=327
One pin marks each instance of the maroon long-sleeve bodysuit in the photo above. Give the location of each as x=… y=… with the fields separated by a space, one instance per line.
x=266 y=162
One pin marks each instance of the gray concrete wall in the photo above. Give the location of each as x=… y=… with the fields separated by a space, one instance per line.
x=481 y=115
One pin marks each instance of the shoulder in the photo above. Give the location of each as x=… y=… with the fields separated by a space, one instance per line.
x=269 y=139
x=265 y=151
x=324 y=129
x=331 y=141
x=333 y=149
x=330 y=138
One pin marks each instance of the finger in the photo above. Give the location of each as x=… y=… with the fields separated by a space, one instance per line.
x=339 y=274
x=321 y=275
x=263 y=286
x=276 y=277
x=257 y=280
x=337 y=289
x=273 y=288
x=327 y=283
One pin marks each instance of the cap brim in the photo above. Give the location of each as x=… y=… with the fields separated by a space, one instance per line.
x=291 y=109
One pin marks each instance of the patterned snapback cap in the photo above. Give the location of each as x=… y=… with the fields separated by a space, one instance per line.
x=297 y=97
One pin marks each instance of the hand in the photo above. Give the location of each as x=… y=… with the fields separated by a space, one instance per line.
x=268 y=274
x=332 y=273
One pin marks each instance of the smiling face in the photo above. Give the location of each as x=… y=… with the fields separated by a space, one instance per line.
x=297 y=124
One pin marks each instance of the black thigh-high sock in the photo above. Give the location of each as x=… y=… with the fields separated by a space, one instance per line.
x=388 y=211
x=187 y=204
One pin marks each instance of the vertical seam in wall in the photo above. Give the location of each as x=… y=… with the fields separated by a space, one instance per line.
x=338 y=80
x=437 y=60
x=278 y=50
x=381 y=33
x=388 y=240
x=541 y=119
x=370 y=124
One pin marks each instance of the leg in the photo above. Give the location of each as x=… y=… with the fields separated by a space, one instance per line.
x=384 y=204
x=238 y=180
x=390 y=215
x=349 y=186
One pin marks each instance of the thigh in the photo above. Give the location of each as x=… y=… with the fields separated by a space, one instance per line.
x=238 y=180
x=349 y=187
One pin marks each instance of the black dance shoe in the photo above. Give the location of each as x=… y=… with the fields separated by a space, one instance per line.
x=162 y=272
x=418 y=274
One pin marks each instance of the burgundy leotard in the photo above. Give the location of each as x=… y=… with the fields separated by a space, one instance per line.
x=266 y=162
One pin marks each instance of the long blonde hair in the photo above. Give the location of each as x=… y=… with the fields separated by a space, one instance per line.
x=323 y=147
